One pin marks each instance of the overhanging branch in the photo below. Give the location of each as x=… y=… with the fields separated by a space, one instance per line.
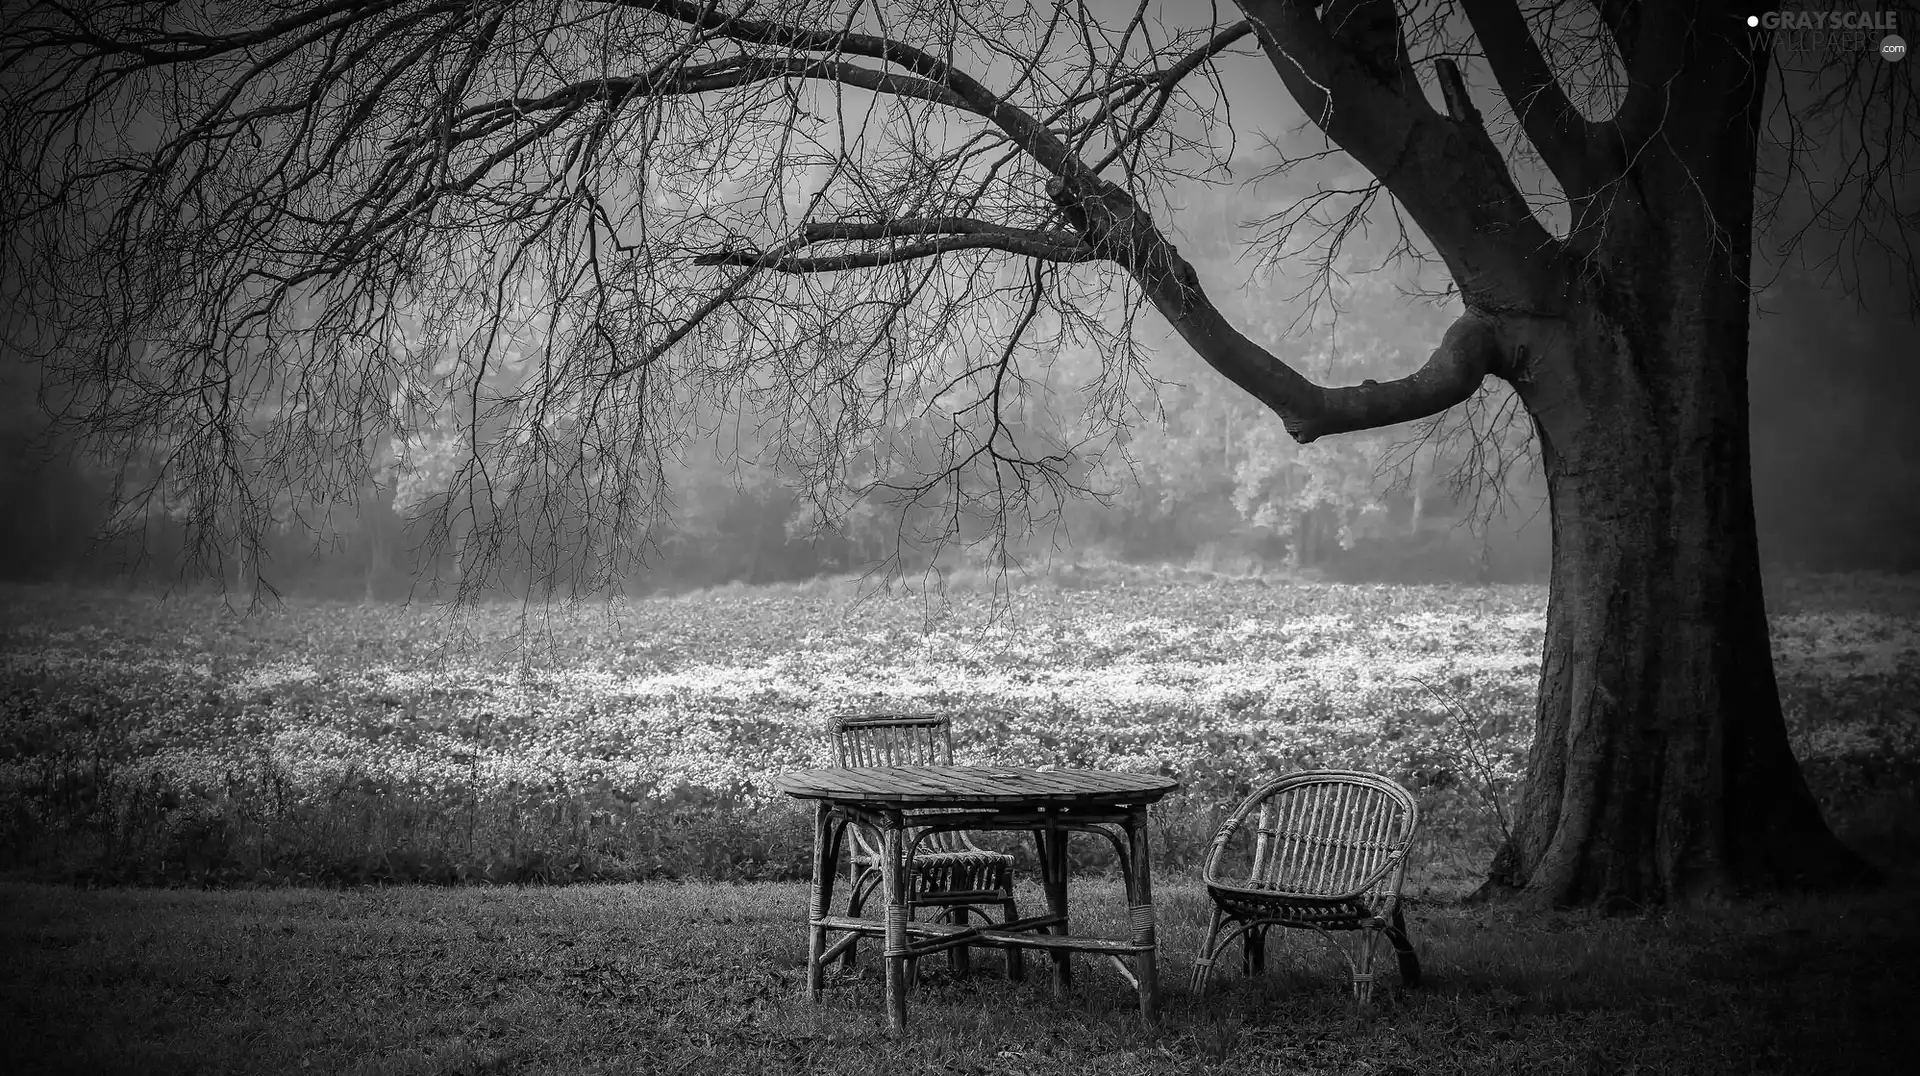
x=1032 y=136
x=1164 y=90
x=1042 y=247
x=1468 y=352
x=671 y=80
x=525 y=147
x=1119 y=229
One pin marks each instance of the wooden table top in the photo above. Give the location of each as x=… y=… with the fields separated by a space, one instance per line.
x=975 y=786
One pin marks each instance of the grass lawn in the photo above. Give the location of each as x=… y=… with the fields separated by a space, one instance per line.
x=705 y=977
x=329 y=743
x=176 y=744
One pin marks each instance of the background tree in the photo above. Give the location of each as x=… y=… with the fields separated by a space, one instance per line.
x=858 y=214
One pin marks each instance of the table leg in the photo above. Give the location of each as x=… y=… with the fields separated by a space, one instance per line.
x=894 y=881
x=822 y=894
x=1009 y=911
x=1140 y=919
x=1052 y=842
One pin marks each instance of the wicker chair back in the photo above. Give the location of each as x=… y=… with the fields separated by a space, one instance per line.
x=894 y=740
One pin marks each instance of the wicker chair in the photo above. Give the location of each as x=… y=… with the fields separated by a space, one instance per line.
x=1327 y=852
x=949 y=871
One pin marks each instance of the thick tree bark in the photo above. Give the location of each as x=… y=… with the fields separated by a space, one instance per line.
x=1660 y=769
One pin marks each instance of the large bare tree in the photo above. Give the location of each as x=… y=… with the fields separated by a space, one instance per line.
x=248 y=240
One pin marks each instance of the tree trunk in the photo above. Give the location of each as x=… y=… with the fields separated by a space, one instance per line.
x=1660 y=769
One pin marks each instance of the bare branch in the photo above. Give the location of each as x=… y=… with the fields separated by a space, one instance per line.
x=1167 y=83
x=676 y=79
x=1555 y=127
x=1496 y=250
x=1468 y=353
x=961 y=234
x=1040 y=246
x=537 y=246
x=1622 y=20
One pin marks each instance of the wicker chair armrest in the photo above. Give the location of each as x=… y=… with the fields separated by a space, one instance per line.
x=1219 y=846
x=1395 y=864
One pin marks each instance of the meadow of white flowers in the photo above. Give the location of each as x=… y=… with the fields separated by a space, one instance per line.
x=641 y=738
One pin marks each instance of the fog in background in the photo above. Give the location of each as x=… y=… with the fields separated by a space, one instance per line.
x=1836 y=456
x=1207 y=479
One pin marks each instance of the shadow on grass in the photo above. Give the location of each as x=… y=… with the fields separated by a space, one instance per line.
x=710 y=978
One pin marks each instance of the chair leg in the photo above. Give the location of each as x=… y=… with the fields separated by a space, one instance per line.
x=1016 y=967
x=958 y=959
x=1203 y=963
x=1403 y=948
x=1253 y=951
x=1363 y=968
x=913 y=913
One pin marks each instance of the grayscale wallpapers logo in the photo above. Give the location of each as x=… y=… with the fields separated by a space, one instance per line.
x=1829 y=32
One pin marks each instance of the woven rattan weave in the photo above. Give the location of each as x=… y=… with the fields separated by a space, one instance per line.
x=904 y=806
x=1322 y=850
x=950 y=872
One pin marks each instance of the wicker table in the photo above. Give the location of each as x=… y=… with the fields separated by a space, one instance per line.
x=901 y=805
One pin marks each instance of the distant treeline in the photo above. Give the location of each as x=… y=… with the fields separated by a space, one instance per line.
x=1212 y=482
x=730 y=531
x=56 y=511
x=726 y=530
